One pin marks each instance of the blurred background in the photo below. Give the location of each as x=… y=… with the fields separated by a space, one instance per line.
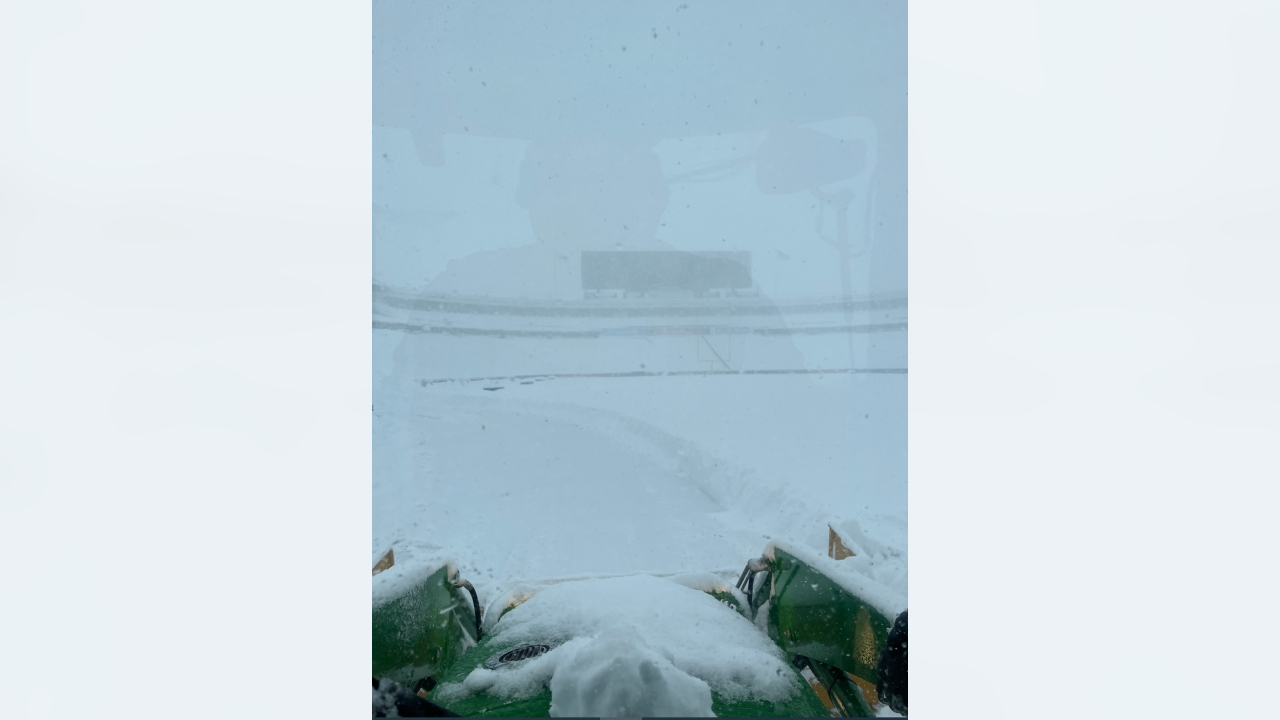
x=184 y=285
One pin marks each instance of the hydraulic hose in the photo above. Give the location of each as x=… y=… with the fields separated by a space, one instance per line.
x=475 y=602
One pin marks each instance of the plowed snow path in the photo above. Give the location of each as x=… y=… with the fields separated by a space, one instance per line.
x=546 y=481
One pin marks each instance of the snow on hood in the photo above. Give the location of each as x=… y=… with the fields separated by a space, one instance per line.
x=674 y=635
x=618 y=674
x=708 y=582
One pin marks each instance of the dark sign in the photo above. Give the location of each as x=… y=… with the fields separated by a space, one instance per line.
x=648 y=271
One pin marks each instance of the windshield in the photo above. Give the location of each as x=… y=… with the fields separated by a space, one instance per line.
x=639 y=293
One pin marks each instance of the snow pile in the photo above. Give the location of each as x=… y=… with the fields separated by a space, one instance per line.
x=494 y=610
x=676 y=637
x=519 y=680
x=708 y=582
x=619 y=675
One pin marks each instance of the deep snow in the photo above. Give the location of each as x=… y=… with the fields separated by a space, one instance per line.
x=585 y=478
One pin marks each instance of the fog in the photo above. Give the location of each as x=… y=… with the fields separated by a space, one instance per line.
x=593 y=124
x=682 y=221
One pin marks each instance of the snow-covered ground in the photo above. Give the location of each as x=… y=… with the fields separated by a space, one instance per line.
x=572 y=477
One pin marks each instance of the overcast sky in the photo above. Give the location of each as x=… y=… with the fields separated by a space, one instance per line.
x=645 y=121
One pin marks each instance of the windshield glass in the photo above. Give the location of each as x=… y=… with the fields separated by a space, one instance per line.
x=639 y=294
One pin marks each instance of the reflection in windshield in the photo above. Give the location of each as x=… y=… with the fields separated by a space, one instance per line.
x=639 y=288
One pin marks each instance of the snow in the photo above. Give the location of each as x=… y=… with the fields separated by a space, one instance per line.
x=533 y=476
x=707 y=583
x=674 y=640
x=845 y=574
x=606 y=507
x=575 y=478
x=881 y=562
x=619 y=675
x=524 y=679
x=568 y=446
x=410 y=569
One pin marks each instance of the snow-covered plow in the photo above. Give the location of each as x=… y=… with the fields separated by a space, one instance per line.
x=834 y=624
x=799 y=636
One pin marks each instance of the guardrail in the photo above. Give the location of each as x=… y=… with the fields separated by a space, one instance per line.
x=646 y=307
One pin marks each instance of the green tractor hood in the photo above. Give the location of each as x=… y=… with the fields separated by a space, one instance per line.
x=829 y=624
